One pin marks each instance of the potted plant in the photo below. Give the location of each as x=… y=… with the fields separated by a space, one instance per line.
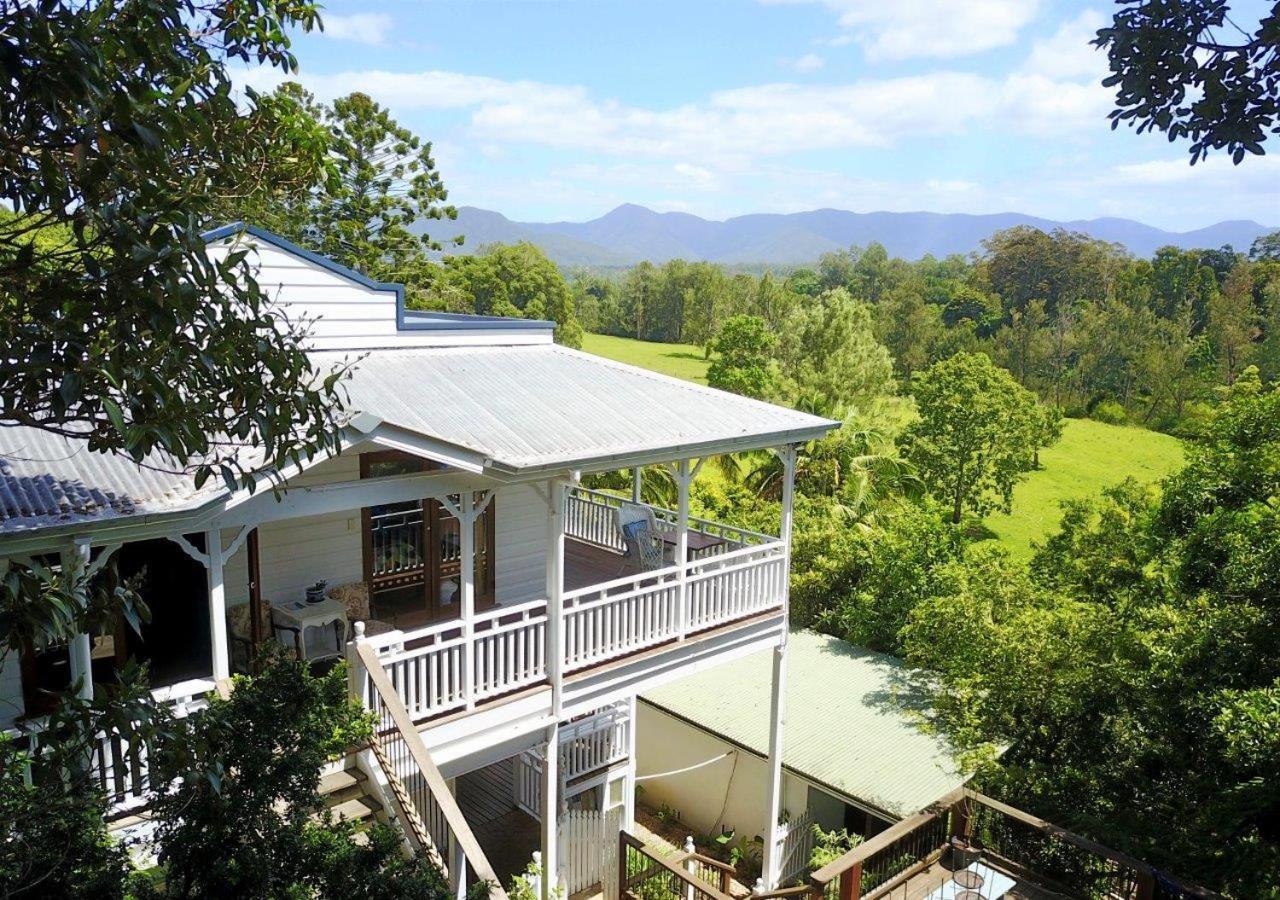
x=315 y=593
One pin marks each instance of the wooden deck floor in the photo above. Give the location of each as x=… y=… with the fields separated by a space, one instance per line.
x=923 y=884
x=507 y=835
x=586 y=564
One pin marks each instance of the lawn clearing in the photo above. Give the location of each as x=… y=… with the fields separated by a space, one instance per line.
x=677 y=360
x=1089 y=457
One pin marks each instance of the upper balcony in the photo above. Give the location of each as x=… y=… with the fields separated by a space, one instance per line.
x=611 y=609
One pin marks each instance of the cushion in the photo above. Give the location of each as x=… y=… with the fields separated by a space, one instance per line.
x=635 y=531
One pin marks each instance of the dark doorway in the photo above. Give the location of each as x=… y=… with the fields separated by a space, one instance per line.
x=175 y=643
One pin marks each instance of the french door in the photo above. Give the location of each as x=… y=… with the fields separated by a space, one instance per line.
x=413 y=551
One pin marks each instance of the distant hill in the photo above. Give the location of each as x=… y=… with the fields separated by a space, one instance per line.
x=633 y=233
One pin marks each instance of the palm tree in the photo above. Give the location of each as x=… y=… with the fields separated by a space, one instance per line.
x=856 y=465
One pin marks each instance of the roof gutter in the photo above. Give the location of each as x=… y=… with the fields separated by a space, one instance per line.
x=665 y=454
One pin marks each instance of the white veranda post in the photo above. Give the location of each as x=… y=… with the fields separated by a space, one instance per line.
x=220 y=654
x=75 y=563
x=777 y=702
x=550 y=812
x=684 y=475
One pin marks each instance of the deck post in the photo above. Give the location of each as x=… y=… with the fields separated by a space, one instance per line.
x=217 y=605
x=778 y=694
x=637 y=476
x=556 y=491
x=467 y=592
x=629 y=783
x=683 y=479
x=550 y=812
x=75 y=564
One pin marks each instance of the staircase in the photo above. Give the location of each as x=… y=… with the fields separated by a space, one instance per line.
x=415 y=793
x=347 y=797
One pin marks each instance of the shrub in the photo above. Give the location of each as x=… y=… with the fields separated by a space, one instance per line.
x=1109 y=412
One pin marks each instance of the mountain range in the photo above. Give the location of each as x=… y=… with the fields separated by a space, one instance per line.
x=631 y=233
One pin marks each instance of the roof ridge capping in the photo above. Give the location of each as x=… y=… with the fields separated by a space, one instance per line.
x=406 y=319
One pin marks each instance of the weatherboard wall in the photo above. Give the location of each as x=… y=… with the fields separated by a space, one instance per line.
x=342 y=310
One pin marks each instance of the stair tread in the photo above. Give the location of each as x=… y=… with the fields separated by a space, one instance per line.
x=337 y=781
x=357 y=808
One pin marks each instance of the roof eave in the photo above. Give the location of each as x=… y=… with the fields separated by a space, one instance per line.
x=667 y=453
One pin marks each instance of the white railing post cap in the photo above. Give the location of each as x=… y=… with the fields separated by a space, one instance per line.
x=688 y=844
x=359 y=629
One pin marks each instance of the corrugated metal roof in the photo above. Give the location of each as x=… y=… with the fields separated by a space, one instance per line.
x=49 y=480
x=521 y=407
x=848 y=724
x=544 y=406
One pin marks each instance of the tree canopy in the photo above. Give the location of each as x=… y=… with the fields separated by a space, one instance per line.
x=1193 y=70
x=977 y=433
x=119 y=135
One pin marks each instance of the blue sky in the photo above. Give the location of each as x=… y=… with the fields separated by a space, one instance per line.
x=563 y=110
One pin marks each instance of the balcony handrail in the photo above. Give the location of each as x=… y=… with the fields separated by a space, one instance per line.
x=694 y=567
x=671 y=517
x=436 y=785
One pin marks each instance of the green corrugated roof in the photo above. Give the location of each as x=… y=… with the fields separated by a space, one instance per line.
x=852 y=720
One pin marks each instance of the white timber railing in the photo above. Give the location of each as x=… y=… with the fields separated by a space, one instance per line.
x=594 y=742
x=426 y=808
x=119 y=766
x=439 y=669
x=436 y=669
x=591 y=516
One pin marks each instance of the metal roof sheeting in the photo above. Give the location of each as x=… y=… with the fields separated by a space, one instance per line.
x=49 y=480
x=539 y=407
x=519 y=407
x=850 y=725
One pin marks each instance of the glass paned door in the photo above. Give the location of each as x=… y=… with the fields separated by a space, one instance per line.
x=413 y=551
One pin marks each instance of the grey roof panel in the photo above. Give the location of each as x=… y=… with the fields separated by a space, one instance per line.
x=849 y=722
x=48 y=480
x=521 y=407
x=542 y=406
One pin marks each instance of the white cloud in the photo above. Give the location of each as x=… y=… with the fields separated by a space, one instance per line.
x=364 y=28
x=1068 y=53
x=729 y=126
x=908 y=29
x=810 y=62
x=1260 y=173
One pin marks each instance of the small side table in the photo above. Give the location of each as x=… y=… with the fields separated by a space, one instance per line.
x=306 y=616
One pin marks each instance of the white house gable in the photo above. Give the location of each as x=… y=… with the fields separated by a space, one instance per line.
x=347 y=311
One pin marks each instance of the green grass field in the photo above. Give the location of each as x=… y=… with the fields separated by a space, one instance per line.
x=1089 y=457
x=677 y=360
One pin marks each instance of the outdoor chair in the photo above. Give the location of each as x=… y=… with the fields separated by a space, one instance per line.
x=355 y=597
x=240 y=633
x=645 y=551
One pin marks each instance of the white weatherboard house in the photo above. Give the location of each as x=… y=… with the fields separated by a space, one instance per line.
x=498 y=618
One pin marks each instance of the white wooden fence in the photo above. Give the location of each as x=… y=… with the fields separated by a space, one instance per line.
x=594 y=742
x=588 y=846
x=437 y=669
x=527 y=783
x=795 y=846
